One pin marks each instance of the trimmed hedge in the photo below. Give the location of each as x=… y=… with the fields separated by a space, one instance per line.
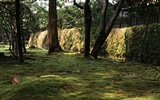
x=137 y=43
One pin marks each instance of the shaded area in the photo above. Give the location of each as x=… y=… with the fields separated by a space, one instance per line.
x=144 y=45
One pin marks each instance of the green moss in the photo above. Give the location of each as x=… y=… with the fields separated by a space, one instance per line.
x=70 y=76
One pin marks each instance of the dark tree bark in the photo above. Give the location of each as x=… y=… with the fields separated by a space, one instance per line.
x=19 y=41
x=88 y=20
x=54 y=45
x=104 y=34
x=102 y=30
x=23 y=43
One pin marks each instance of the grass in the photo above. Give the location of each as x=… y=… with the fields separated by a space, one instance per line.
x=70 y=76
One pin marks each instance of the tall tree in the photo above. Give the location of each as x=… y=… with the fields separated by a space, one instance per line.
x=54 y=45
x=103 y=34
x=19 y=41
x=88 y=20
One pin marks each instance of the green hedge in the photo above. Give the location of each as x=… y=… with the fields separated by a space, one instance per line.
x=137 y=43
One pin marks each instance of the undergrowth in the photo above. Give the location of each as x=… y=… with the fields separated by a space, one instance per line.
x=70 y=76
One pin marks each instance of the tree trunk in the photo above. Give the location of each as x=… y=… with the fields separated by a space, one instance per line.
x=88 y=20
x=19 y=42
x=53 y=32
x=94 y=52
x=103 y=35
x=23 y=43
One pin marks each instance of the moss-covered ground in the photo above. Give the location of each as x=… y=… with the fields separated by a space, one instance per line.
x=70 y=76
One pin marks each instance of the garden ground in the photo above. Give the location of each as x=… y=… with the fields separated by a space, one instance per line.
x=70 y=76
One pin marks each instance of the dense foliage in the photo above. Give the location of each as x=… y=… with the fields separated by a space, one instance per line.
x=145 y=11
x=69 y=17
x=40 y=16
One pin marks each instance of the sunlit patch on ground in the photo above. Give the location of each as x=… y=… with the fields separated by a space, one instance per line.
x=69 y=76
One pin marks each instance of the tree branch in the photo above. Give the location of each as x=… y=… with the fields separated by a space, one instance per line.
x=104 y=12
x=76 y=4
x=104 y=34
x=118 y=9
